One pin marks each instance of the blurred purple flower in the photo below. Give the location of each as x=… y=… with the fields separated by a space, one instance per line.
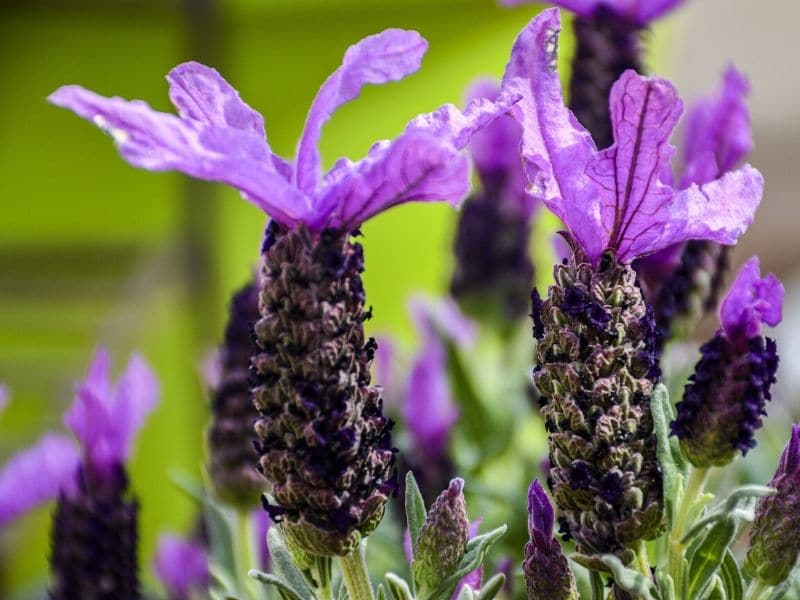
x=640 y=12
x=181 y=566
x=3 y=398
x=615 y=198
x=751 y=301
x=217 y=137
x=261 y=525
x=36 y=475
x=103 y=419
x=429 y=410
x=475 y=577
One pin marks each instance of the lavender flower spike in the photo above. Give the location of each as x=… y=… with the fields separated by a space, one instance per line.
x=181 y=566
x=725 y=398
x=615 y=198
x=774 y=543
x=217 y=137
x=94 y=538
x=547 y=573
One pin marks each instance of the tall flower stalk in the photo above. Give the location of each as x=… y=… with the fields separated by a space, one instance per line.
x=596 y=335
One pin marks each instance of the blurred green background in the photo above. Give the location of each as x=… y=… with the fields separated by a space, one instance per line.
x=93 y=251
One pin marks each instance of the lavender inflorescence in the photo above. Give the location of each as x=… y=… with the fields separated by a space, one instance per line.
x=596 y=372
x=325 y=444
x=724 y=401
x=94 y=540
x=232 y=457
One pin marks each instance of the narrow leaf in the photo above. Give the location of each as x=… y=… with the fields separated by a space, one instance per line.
x=492 y=587
x=278 y=582
x=731 y=577
x=283 y=564
x=381 y=594
x=415 y=509
x=709 y=555
x=662 y=414
x=629 y=580
x=398 y=587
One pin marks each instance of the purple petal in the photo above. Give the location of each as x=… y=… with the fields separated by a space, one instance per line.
x=556 y=149
x=201 y=94
x=36 y=475
x=790 y=457
x=718 y=134
x=181 y=566
x=448 y=122
x=634 y=203
x=387 y=56
x=162 y=142
x=416 y=166
x=751 y=301
x=495 y=148
x=105 y=421
x=540 y=511
x=429 y=409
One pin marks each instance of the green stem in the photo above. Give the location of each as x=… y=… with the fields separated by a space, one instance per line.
x=641 y=559
x=356 y=578
x=755 y=590
x=598 y=589
x=244 y=553
x=694 y=488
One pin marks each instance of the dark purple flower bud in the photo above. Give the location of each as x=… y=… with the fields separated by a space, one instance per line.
x=181 y=566
x=726 y=395
x=774 y=543
x=324 y=442
x=493 y=267
x=596 y=370
x=547 y=573
x=443 y=537
x=95 y=533
x=232 y=457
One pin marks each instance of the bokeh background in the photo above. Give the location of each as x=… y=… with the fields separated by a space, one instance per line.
x=93 y=251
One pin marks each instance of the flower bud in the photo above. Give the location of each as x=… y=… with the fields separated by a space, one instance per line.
x=774 y=543
x=443 y=537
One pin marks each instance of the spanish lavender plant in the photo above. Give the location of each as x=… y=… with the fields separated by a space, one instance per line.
x=547 y=573
x=232 y=456
x=726 y=396
x=774 y=544
x=596 y=362
x=493 y=271
x=683 y=282
x=94 y=536
x=324 y=443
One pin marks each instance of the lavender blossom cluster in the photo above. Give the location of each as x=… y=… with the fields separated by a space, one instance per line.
x=305 y=459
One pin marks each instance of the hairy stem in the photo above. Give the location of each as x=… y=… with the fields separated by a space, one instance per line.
x=356 y=578
x=694 y=488
x=244 y=553
x=757 y=587
x=642 y=563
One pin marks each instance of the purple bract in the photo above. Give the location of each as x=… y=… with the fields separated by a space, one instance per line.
x=640 y=12
x=751 y=301
x=616 y=198
x=217 y=137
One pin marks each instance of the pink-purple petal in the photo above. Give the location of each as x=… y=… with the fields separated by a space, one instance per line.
x=161 y=142
x=556 y=149
x=751 y=302
x=634 y=203
x=718 y=134
x=37 y=474
x=181 y=566
x=416 y=166
x=104 y=419
x=387 y=56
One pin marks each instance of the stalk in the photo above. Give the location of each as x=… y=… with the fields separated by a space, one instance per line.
x=694 y=488
x=356 y=578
